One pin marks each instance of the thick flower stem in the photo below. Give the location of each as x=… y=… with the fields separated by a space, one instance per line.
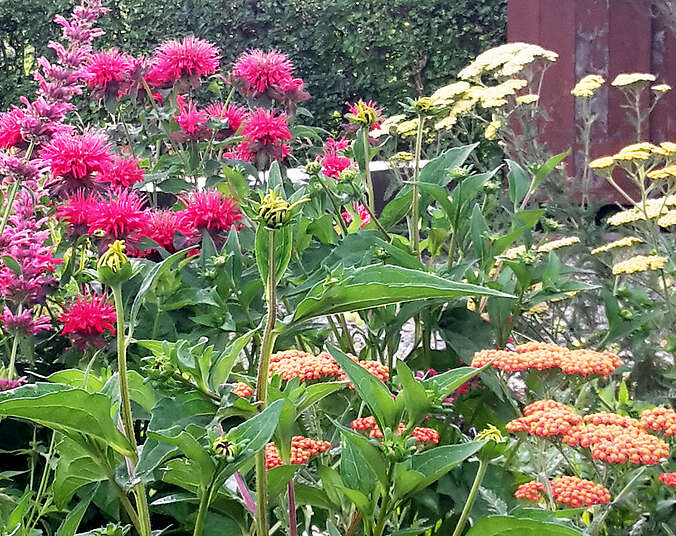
x=293 y=523
x=478 y=479
x=367 y=170
x=12 y=357
x=202 y=512
x=415 y=205
x=269 y=337
x=125 y=409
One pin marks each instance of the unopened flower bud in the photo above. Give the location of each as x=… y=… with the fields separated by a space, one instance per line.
x=275 y=210
x=313 y=168
x=114 y=266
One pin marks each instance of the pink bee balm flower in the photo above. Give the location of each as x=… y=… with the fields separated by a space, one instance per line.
x=76 y=160
x=364 y=216
x=122 y=172
x=233 y=114
x=266 y=133
x=163 y=226
x=77 y=211
x=109 y=71
x=191 y=120
x=189 y=57
x=24 y=323
x=10 y=128
x=334 y=163
x=260 y=70
x=7 y=384
x=209 y=210
x=270 y=74
x=86 y=319
x=120 y=216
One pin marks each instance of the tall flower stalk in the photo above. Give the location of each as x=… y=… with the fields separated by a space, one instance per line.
x=114 y=268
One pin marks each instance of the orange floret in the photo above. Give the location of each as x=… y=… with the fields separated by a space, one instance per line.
x=368 y=424
x=659 y=420
x=545 y=418
x=302 y=449
x=242 y=390
x=569 y=490
x=543 y=356
x=611 y=418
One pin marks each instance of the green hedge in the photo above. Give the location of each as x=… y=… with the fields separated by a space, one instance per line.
x=384 y=49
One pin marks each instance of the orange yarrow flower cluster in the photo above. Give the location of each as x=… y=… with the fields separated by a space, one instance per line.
x=291 y=364
x=543 y=356
x=611 y=438
x=659 y=420
x=242 y=390
x=302 y=449
x=545 y=418
x=668 y=479
x=422 y=434
x=569 y=490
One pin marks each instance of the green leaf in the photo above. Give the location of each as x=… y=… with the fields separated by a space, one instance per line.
x=283 y=247
x=444 y=384
x=12 y=264
x=148 y=281
x=76 y=467
x=279 y=477
x=512 y=526
x=72 y=520
x=153 y=454
x=361 y=501
x=545 y=169
x=376 y=285
x=314 y=496
x=437 y=170
x=222 y=366
x=139 y=391
x=519 y=182
x=436 y=462
x=396 y=210
x=76 y=378
x=331 y=482
x=68 y=411
x=355 y=472
x=318 y=391
x=370 y=389
x=187 y=443
x=274 y=176
x=415 y=397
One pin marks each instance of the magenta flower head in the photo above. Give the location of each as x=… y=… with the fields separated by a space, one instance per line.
x=193 y=122
x=24 y=323
x=10 y=128
x=75 y=161
x=333 y=161
x=86 y=319
x=120 y=216
x=185 y=60
x=269 y=75
x=121 y=172
x=77 y=211
x=109 y=72
x=7 y=384
x=209 y=210
x=230 y=117
x=266 y=134
x=166 y=228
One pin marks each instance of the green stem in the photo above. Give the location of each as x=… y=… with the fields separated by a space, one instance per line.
x=336 y=208
x=469 y=503
x=13 y=189
x=415 y=207
x=379 y=529
x=202 y=512
x=367 y=170
x=30 y=523
x=125 y=409
x=262 y=385
x=12 y=357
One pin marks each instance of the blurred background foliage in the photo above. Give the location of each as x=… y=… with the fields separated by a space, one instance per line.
x=384 y=49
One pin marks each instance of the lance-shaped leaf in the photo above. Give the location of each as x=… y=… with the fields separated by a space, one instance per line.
x=436 y=462
x=283 y=247
x=68 y=410
x=513 y=526
x=444 y=384
x=415 y=397
x=376 y=285
x=370 y=389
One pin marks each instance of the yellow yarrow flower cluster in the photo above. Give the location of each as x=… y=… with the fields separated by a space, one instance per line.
x=668 y=172
x=447 y=95
x=635 y=153
x=557 y=244
x=668 y=219
x=406 y=129
x=388 y=126
x=661 y=88
x=621 y=243
x=530 y=98
x=506 y=60
x=494 y=96
x=403 y=156
x=537 y=309
x=513 y=253
x=602 y=163
x=588 y=85
x=492 y=129
x=640 y=263
x=628 y=79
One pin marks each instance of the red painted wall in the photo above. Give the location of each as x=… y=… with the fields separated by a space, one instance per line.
x=600 y=37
